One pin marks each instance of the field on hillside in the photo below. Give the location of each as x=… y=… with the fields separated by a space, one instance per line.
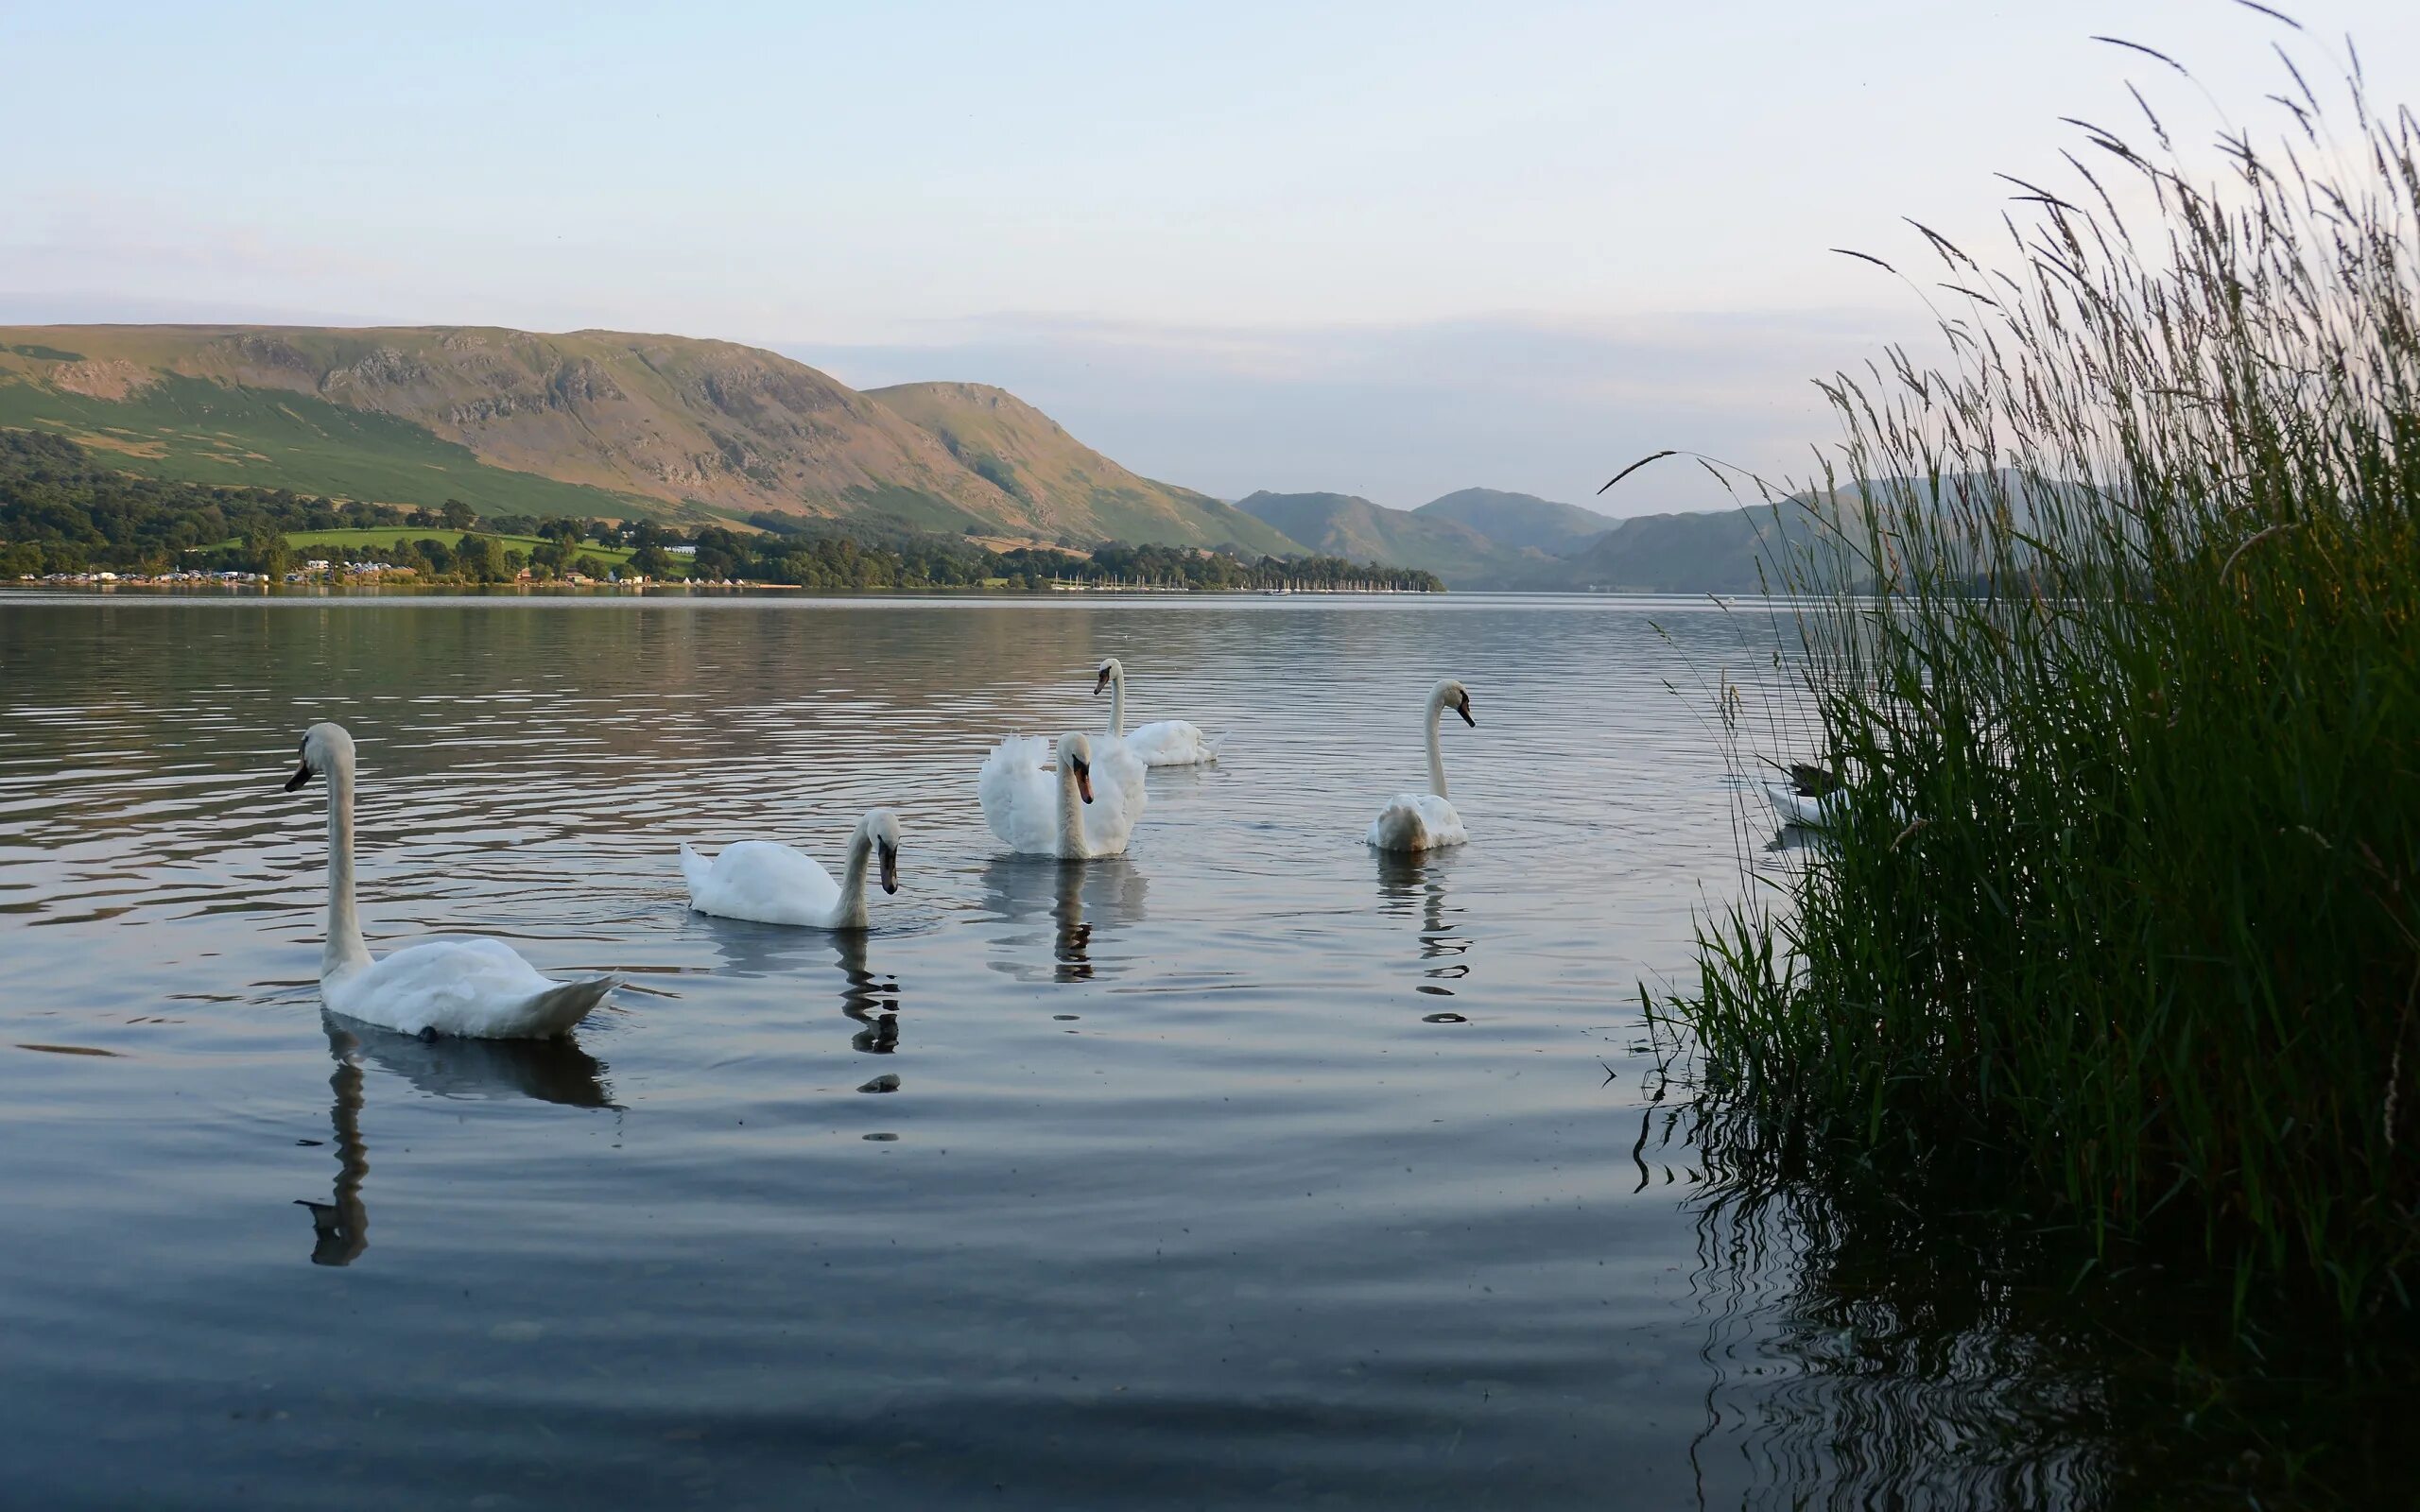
x=189 y=428
x=390 y=535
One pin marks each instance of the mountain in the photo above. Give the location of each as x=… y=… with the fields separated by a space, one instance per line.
x=586 y=423
x=1721 y=551
x=1072 y=491
x=1520 y=519
x=1340 y=524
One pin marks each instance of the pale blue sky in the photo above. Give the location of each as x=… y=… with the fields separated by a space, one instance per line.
x=1386 y=249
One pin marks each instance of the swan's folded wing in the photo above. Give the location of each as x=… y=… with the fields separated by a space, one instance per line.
x=771 y=884
x=452 y=985
x=1171 y=743
x=1020 y=799
x=1118 y=796
x=1444 y=820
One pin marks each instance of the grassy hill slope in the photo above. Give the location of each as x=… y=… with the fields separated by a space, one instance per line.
x=1340 y=524
x=192 y=430
x=589 y=421
x=1720 y=551
x=1071 y=490
x=1520 y=519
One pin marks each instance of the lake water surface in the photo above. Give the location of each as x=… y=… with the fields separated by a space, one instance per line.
x=1245 y=1170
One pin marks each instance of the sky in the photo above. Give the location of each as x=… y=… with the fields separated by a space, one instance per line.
x=1390 y=249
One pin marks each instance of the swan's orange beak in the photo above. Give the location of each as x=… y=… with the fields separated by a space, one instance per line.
x=302 y=775
x=889 y=868
x=1100 y=683
x=1464 y=709
x=1084 y=780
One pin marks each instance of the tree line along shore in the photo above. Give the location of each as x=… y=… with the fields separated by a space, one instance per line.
x=63 y=513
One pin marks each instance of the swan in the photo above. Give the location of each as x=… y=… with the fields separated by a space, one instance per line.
x=1813 y=799
x=774 y=885
x=1161 y=743
x=1089 y=809
x=1426 y=822
x=479 y=989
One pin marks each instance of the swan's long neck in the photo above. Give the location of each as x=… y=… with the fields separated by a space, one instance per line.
x=344 y=951
x=1071 y=810
x=1436 y=756
x=852 y=881
x=1118 y=703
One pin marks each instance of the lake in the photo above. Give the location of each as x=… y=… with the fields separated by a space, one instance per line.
x=1247 y=1169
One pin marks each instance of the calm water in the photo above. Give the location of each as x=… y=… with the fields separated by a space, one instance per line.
x=1162 y=1180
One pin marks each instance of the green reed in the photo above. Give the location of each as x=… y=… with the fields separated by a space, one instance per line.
x=2115 y=633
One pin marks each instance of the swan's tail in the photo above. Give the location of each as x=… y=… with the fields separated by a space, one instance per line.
x=554 y=1012
x=1210 y=744
x=694 y=870
x=1399 y=827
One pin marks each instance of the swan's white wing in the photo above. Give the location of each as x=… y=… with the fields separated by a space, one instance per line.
x=761 y=881
x=1020 y=799
x=1792 y=807
x=1117 y=800
x=478 y=988
x=1171 y=743
x=1417 y=821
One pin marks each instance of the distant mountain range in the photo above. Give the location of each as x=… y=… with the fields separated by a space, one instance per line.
x=615 y=424
x=1486 y=539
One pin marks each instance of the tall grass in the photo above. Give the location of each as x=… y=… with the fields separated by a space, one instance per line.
x=2114 y=615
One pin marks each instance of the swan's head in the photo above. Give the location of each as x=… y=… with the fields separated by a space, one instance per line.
x=881 y=830
x=1452 y=695
x=1112 y=670
x=1076 y=763
x=324 y=746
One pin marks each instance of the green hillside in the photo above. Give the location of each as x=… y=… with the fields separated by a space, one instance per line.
x=1718 y=551
x=1520 y=520
x=1339 y=524
x=1073 y=491
x=585 y=423
x=193 y=429
x=376 y=536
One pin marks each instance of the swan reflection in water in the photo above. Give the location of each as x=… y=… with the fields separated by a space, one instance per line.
x=550 y=1070
x=868 y=998
x=1078 y=895
x=1415 y=882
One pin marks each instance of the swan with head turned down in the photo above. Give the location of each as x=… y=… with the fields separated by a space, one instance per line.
x=1088 y=807
x=1161 y=743
x=1424 y=821
x=771 y=884
x=479 y=989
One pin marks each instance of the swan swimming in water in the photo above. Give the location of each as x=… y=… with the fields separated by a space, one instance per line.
x=1814 y=799
x=1161 y=743
x=1088 y=809
x=774 y=885
x=479 y=989
x=1426 y=822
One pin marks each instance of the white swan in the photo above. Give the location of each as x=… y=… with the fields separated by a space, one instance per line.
x=1813 y=797
x=774 y=885
x=1424 y=821
x=1806 y=810
x=1161 y=743
x=1089 y=809
x=475 y=987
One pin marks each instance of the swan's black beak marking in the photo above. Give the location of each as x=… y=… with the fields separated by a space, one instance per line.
x=1084 y=780
x=302 y=775
x=1101 y=682
x=1464 y=709
x=889 y=868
